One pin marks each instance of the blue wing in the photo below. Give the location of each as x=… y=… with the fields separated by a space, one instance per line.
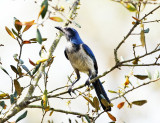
x=90 y=53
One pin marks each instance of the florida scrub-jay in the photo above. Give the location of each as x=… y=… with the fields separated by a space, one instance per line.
x=83 y=60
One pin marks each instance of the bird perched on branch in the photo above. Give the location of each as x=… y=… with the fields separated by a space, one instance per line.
x=83 y=60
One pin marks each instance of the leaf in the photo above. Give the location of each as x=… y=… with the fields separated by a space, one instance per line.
x=4 y=95
x=44 y=5
x=146 y=30
x=135 y=61
x=87 y=118
x=27 y=42
x=17 y=26
x=120 y=105
x=14 y=69
x=2 y=104
x=39 y=37
x=139 y=102
x=111 y=91
x=9 y=32
x=50 y=114
x=28 y=25
x=149 y=74
x=45 y=99
x=17 y=87
x=22 y=116
x=156 y=74
x=36 y=68
x=130 y=6
x=127 y=81
x=142 y=38
x=105 y=103
x=96 y=103
x=57 y=19
x=141 y=77
x=41 y=61
x=15 y=32
x=26 y=69
x=4 y=70
x=35 y=39
x=90 y=101
x=31 y=62
x=12 y=99
x=111 y=116
x=42 y=8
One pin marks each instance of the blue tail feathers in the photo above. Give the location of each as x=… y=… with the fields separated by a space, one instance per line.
x=101 y=93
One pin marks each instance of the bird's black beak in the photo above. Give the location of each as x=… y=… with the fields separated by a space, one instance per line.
x=60 y=29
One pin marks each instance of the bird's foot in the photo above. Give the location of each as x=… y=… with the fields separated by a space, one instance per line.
x=87 y=83
x=71 y=90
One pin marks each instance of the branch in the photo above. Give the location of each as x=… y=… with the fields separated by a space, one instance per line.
x=23 y=104
x=149 y=82
x=60 y=110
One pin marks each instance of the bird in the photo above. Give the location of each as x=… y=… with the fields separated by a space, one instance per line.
x=83 y=60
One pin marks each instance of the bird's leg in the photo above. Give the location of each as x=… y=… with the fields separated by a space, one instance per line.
x=70 y=87
x=87 y=81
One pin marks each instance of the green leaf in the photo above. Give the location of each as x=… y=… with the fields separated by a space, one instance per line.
x=15 y=32
x=36 y=68
x=14 y=69
x=105 y=103
x=2 y=104
x=146 y=30
x=45 y=5
x=87 y=118
x=12 y=100
x=39 y=37
x=141 y=77
x=139 y=102
x=26 y=69
x=22 y=116
x=4 y=70
x=17 y=26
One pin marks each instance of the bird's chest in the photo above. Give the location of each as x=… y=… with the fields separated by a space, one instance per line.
x=78 y=58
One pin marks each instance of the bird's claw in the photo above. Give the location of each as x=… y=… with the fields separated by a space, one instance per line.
x=87 y=83
x=71 y=90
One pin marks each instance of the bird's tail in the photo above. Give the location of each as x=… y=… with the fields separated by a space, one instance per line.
x=101 y=94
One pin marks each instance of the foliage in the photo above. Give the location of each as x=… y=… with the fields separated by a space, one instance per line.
x=41 y=67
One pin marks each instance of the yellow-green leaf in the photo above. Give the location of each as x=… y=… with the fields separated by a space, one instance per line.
x=96 y=103
x=57 y=19
x=17 y=87
x=4 y=95
x=9 y=32
x=90 y=101
x=139 y=102
x=142 y=38
x=111 y=91
x=45 y=99
x=141 y=77
x=105 y=103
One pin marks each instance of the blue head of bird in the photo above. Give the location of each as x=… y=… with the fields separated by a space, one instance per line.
x=71 y=34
